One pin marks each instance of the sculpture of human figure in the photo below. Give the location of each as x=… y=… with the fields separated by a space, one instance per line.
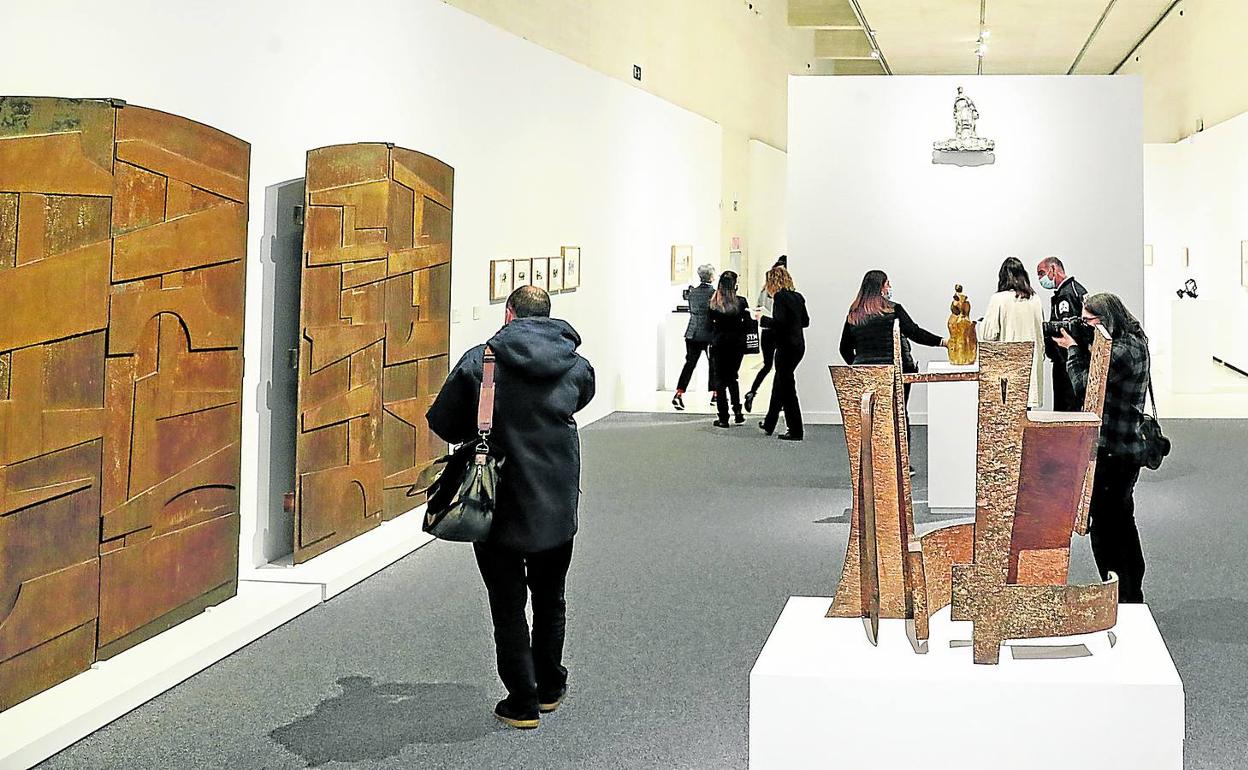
x=962 y=339
x=964 y=116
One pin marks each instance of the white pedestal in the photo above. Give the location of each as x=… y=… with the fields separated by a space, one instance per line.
x=35 y=729
x=1191 y=338
x=338 y=569
x=822 y=696
x=952 y=416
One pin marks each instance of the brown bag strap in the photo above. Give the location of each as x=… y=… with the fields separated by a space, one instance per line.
x=485 y=404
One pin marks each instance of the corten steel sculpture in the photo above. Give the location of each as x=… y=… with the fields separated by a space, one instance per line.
x=122 y=240
x=375 y=314
x=1007 y=571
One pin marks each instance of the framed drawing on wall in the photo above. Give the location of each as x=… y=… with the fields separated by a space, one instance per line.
x=500 y=279
x=554 y=280
x=521 y=273
x=537 y=277
x=1243 y=264
x=682 y=264
x=1148 y=255
x=571 y=267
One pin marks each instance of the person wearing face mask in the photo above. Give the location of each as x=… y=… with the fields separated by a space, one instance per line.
x=867 y=337
x=1067 y=302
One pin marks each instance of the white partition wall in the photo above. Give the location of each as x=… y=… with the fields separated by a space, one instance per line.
x=546 y=152
x=864 y=193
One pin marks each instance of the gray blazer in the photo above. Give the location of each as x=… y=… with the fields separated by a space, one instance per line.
x=699 y=328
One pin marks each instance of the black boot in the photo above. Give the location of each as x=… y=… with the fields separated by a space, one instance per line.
x=749 y=401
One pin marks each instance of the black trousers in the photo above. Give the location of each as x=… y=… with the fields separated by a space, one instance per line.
x=784 y=390
x=727 y=369
x=1115 y=538
x=767 y=343
x=694 y=351
x=531 y=667
x=1064 y=397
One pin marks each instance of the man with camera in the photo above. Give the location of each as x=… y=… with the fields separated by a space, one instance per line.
x=1067 y=303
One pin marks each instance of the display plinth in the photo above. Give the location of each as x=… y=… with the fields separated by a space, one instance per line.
x=952 y=417
x=1191 y=325
x=822 y=696
x=37 y=728
x=337 y=570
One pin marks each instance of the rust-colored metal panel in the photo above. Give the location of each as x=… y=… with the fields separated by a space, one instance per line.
x=375 y=315
x=120 y=379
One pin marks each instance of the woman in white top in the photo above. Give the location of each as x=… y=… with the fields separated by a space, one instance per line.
x=1015 y=314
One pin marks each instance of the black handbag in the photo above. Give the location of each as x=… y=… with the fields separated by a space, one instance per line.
x=752 y=343
x=462 y=497
x=1156 y=445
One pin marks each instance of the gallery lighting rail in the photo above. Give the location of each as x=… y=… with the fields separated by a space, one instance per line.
x=1088 y=43
x=877 y=53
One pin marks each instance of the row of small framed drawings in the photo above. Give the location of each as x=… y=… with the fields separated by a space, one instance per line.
x=554 y=274
x=1187 y=260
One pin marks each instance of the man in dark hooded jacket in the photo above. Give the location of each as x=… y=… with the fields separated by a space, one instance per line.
x=540 y=382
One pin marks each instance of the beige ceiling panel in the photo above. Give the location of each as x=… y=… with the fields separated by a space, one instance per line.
x=923 y=37
x=822 y=13
x=857 y=67
x=842 y=44
x=1126 y=24
x=1038 y=37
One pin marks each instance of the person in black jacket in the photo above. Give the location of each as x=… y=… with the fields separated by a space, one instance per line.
x=729 y=315
x=697 y=334
x=1066 y=303
x=540 y=383
x=786 y=322
x=766 y=340
x=867 y=337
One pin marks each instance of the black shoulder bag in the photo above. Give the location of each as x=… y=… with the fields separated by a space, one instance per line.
x=1156 y=446
x=461 y=498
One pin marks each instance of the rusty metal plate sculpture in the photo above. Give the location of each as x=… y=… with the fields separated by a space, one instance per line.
x=1007 y=572
x=122 y=240
x=375 y=314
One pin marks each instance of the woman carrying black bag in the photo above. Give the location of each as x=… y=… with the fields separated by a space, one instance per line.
x=730 y=319
x=1123 y=448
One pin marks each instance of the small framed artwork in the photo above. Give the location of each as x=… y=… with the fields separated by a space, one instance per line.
x=522 y=272
x=1148 y=255
x=501 y=278
x=682 y=264
x=1243 y=264
x=538 y=275
x=555 y=279
x=571 y=267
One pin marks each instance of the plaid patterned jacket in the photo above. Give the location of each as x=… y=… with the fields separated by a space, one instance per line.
x=1124 y=393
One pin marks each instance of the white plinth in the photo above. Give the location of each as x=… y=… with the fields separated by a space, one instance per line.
x=1191 y=339
x=952 y=416
x=37 y=728
x=340 y=568
x=822 y=696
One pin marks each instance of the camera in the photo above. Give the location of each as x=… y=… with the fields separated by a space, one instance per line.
x=1079 y=330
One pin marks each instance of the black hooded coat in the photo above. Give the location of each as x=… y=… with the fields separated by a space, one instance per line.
x=540 y=382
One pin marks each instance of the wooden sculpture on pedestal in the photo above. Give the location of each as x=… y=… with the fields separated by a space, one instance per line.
x=1006 y=572
x=122 y=238
x=962 y=342
x=375 y=314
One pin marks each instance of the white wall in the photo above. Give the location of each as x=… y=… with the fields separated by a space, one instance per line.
x=863 y=193
x=546 y=152
x=1196 y=195
x=767 y=236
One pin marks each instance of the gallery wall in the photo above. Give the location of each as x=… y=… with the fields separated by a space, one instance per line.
x=546 y=152
x=767 y=213
x=863 y=193
x=1196 y=197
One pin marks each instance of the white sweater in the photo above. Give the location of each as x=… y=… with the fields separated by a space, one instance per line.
x=1010 y=318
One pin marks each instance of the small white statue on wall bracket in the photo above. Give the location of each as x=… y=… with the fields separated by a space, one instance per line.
x=964 y=138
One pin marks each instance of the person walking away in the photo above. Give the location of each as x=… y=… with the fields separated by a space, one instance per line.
x=788 y=319
x=728 y=314
x=540 y=383
x=1014 y=314
x=766 y=339
x=697 y=334
x=1066 y=303
x=1121 y=451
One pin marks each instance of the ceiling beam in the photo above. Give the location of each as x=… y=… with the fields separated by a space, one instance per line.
x=842 y=44
x=825 y=14
x=875 y=44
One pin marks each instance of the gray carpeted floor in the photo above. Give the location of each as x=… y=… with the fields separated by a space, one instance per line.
x=691 y=540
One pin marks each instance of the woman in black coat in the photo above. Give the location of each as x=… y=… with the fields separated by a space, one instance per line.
x=729 y=316
x=786 y=322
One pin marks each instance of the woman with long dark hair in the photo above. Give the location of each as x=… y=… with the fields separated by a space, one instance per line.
x=1015 y=314
x=729 y=314
x=1122 y=451
x=787 y=320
